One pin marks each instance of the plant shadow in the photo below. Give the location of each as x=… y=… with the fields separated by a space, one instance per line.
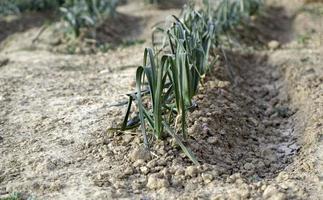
x=120 y=28
x=19 y=23
x=272 y=23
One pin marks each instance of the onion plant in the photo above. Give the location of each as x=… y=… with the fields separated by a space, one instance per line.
x=169 y=79
x=86 y=14
x=9 y=7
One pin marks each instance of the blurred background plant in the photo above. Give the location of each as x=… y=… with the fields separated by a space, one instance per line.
x=9 y=7
x=86 y=15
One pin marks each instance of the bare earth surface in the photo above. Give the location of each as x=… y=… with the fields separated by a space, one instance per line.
x=258 y=136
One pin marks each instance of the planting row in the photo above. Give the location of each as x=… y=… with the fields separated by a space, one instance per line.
x=170 y=76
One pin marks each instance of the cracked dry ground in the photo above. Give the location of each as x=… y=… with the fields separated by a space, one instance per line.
x=257 y=137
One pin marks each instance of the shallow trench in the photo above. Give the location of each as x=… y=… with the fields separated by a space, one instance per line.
x=245 y=127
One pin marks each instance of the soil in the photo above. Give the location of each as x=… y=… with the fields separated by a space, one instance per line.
x=257 y=131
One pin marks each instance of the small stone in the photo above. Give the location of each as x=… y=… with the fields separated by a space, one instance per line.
x=127 y=138
x=254 y=121
x=271 y=192
x=207 y=178
x=222 y=84
x=178 y=180
x=119 y=184
x=212 y=140
x=138 y=163
x=289 y=185
x=273 y=45
x=155 y=182
x=269 y=155
x=204 y=120
x=162 y=162
x=260 y=164
x=128 y=171
x=165 y=173
x=172 y=170
x=282 y=176
x=218 y=84
x=191 y=171
x=110 y=134
x=219 y=197
x=244 y=193
x=140 y=154
x=234 y=196
x=249 y=166
x=55 y=186
x=263 y=187
x=152 y=164
x=179 y=172
x=239 y=181
x=278 y=196
x=144 y=170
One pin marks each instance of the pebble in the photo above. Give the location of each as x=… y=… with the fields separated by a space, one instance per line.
x=127 y=138
x=278 y=196
x=218 y=84
x=212 y=140
x=260 y=164
x=249 y=166
x=207 y=178
x=273 y=45
x=234 y=196
x=191 y=171
x=269 y=191
x=282 y=176
x=289 y=185
x=140 y=154
x=269 y=155
x=219 y=197
x=272 y=193
x=222 y=84
x=128 y=171
x=103 y=175
x=152 y=164
x=162 y=162
x=144 y=170
x=155 y=182
x=179 y=172
x=165 y=173
x=138 y=163
x=244 y=193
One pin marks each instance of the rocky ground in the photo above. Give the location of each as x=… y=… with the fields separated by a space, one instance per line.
x=256 y=132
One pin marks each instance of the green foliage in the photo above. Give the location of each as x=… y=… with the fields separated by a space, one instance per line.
x=38 y=5
x=168 y=80
x=8 y=7
x=13 y=196
x=229 y=13
x=86 y=14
